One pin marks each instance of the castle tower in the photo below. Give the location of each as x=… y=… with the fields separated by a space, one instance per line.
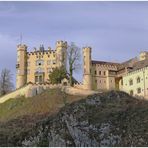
x=87 y=77
x=61 y=50
x=21 y=66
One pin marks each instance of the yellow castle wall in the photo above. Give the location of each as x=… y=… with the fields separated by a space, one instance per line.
x=32 y=66
x=101 y=79
x=143 y=84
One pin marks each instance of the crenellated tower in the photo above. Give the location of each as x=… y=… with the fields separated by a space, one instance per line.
x=87 y=77
x=21 y=66
x=61 y=50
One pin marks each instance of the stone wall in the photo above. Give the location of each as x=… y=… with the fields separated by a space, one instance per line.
x=78 y=91
x=33 y=89
x=29 y=91
x=17 y=93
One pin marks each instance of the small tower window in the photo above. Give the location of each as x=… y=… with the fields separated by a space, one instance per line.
x=99 y=72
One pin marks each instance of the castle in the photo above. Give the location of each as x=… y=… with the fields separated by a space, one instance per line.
x=130 y=76
x=36 y=66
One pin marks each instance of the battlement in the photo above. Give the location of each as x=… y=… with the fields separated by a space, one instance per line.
x=61 y=44
x=41 y=52
x=36 y=59
x=21 y=46
x=87 y=49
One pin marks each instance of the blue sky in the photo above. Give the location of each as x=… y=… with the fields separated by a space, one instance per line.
x=116 y=31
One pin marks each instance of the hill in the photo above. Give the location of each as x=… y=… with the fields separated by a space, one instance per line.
x=17 y=116
x=108 y=119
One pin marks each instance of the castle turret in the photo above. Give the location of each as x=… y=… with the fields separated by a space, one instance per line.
x=21 y=66
x=61 y=50
x=87 y=77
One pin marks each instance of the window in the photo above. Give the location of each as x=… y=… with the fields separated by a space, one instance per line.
x=39 y=62
x=122 y=82
x=100 y=81
x=95 y=72
x=99 y=72
x=131 y=92
x=130 y=82
x=138 y=80
x=104 y=72
x=40 y=79
x=96 y=81
x=36 y=78
x=138 y=90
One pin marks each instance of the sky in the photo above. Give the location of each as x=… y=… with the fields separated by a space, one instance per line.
x=116 y=31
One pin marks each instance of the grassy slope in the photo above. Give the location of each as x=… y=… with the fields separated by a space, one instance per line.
x=48 y=102
x=18 y=116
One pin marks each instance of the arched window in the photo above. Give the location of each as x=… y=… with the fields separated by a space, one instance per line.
x=138 y=80
x=131 y=92
x=138 y=90
x=39 y=62
x=130 y=82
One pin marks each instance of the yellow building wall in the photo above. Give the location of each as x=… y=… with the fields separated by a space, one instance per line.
x=27 y=62
x=143 y=84
x=101 y=78
x=32 y=67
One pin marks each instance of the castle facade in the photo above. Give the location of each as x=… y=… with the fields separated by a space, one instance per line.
x=36 y=66
x=130 y=76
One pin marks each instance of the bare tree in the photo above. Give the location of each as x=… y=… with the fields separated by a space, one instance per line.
x=73 y=57
x=6 y=84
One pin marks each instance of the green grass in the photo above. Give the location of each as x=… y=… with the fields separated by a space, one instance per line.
x=48 y=102
x=20 y=115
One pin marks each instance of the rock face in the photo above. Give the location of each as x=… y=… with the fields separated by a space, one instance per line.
x=107 y=119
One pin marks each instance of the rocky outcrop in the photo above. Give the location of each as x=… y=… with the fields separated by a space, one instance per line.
x=107 y=119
